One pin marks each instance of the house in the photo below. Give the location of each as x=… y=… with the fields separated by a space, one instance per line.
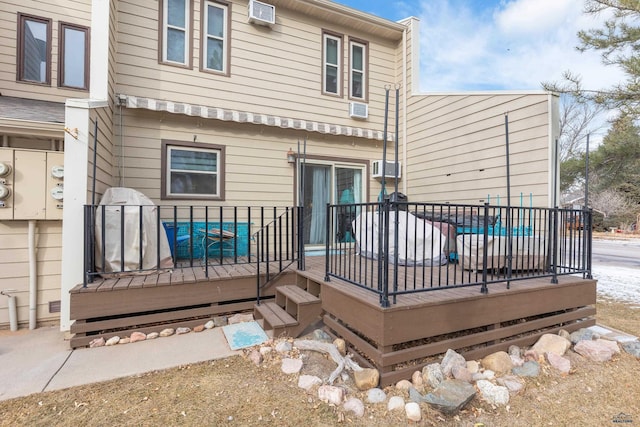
x=202 y=106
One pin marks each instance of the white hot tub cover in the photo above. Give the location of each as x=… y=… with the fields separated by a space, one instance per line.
x=419 y=243
x=116 y=199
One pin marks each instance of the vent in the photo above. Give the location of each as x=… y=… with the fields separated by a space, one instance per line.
x=390 y=170
x=358 y=110
x=54 y=306
x=262 y=13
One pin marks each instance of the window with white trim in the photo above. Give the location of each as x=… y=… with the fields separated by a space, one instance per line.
x=332 y=64
x=357 y=70
x=176 y=21
x=192 y=171
x=215 y=36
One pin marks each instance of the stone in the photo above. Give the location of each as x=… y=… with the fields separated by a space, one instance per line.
x=487 y=374
x=583 y=334
x=291 y=366
x=152 y=335
x=404 y=385
x=451 y=396
x=366 y=378
x=564 y=334
x=376 y=395
x=308 y=381
x=415 y=396
x=529 y=369
x=632 y=347
x=432 y=375
x=284 y=347
x=220 y=321
x=124 y=340
x=198 y=328
x=530 y=355
x=167 y=332
x=462 y=373
x=321 y=335
x=594 y=350
x=515 y=353
x=450 y=359
x=412 y=409
x=137 y=336
x=550 y=343
x=613 y=345
x=240 y=318
x=499 y=362
x=473 y=366
x=354 y=405
x=182 y=330
x=112 y=341
x=256 y=357
x=558 y=362
x=417 y=381
x=395 y=403
x=98 y=342
x=512 y=383
x=265 y=350
x=494 y=394
x=331 y=394
x=341 y=345
x=209 y=325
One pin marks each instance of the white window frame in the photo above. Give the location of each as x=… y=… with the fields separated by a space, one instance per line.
x=325 y=37
x=205 y=36
x=363 y=71
x=170 y=148
x=186 y=30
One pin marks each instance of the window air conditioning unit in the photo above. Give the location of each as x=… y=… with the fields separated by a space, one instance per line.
x=262 y=13
x=391 y=169
x=358 y=110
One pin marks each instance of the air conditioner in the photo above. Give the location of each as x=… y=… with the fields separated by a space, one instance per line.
x=261 y=13
x=358 y=110
x=390 y=170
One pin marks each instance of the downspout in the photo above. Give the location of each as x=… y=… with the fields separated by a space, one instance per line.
x=33 y=278
x=404 y=109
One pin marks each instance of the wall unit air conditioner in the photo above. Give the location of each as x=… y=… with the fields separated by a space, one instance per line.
x=390 y=170
x=358 y=110
x=261 y=13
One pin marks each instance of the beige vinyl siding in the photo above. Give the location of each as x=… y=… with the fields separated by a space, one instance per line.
x=105 y=154
x=14 y=268
x=69 y=11
x=256 y=169
x=457 y=147
x=275 y=71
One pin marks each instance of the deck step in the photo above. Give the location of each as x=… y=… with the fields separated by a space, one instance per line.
x=295 y=294
x=274 y=316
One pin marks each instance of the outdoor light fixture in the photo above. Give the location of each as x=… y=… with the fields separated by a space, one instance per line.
x=291 y=156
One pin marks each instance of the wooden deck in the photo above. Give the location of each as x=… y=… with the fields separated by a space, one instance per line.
x=397 y=339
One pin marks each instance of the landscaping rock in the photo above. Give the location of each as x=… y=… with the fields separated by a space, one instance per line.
x=366 y=378
x=137 y=336
x=462 y=374
x=487 y=374
x=558 y=362
x=112 y=341
x=198 y=328
x=450 y=359
x=583 y=334
x=209 y=325
x=415 y=396
x=494 y=394
x=308 y=381
x=291 y=366
x=412 y=409
x=182 y=330
x=550 y=343
x=220 y=321
x=632 y=347
x=598 y=350
x=265 y=350
x=331 y=394
x=256 y=357
x=512 y=383
x=376 y=395
x=432 y=375
x=341 y=345
x=451 y=396
x=97 y=342
x=416 y=380
x=395 y=403
x=240 y=318
x=321 y=335
x=152 y=335
x=499 y=362
x=124 y=340
x=564 y=334
x=284 y=347
x=167 y=332
x=529 y=369
x=354 y=405
x=404 y=385
x=473 y=366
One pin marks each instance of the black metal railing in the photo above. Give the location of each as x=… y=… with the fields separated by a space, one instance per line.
x=130 y=238
x=278 y=246
x=396 y=248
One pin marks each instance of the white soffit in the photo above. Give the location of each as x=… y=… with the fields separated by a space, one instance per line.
x=253 y=118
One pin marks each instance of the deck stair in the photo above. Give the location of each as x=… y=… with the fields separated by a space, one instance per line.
x=290 y=312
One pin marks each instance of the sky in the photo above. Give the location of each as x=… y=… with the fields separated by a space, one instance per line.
x=498 y=44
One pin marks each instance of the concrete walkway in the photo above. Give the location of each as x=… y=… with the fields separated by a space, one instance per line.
x=33 y=361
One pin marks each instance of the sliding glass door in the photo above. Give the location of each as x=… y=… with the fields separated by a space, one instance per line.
x=323 y=182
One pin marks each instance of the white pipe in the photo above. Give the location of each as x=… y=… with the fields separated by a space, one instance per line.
x=33 y=278
x=13 y=313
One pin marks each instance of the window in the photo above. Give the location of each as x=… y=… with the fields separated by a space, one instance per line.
x=176 y=32
x=332 y=64
x=74 y=56
x=34 y=49
x=192 y=170
x=358 y=70
x=215 y=36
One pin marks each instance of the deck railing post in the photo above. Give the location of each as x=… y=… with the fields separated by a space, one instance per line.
x=587 y=236
x=554 y=245
x=384 y=302
x=258 y=268
x=485 y=243
x=327 y=236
